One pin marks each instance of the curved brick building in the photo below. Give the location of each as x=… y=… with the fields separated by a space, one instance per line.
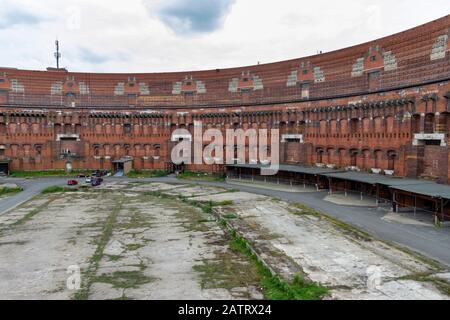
x=381 y=106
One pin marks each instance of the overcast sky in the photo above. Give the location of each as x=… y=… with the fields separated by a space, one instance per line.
x=176 y=35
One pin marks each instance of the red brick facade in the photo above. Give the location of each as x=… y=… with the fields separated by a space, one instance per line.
x=379 y=105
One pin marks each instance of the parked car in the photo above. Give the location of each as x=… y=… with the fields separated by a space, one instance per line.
x=72 y=182
x=88 y=180
x=98 y=173
x=81 y=175
x=96 y=182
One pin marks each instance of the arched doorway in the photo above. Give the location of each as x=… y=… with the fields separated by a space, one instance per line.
x=353 y=158
x=392 y=157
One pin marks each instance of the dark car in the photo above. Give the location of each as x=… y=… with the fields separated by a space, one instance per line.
x=72 y=182
x=96 y=182
x=81 y=175
x=98 y=173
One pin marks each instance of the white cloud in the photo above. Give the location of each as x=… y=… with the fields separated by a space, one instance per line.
x=135 y=36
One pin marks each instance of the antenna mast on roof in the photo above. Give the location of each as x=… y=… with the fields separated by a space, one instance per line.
x=57 y=54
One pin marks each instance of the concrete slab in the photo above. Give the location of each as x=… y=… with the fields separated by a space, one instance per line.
x=236 y=197
x=351 y=200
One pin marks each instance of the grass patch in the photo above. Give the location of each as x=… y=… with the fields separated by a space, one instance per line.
x=442 y=285
x=274 y=287
x=206 y=206
x=32 y=213
x=94 y=261
x=134 y=246
x=124 y=279
x=114 y=258
x=226 y=272
x=8 y=191
x=224 y=203
x=47 y=173
x=138 y=174
x=201 y=176
x=230 y=216
x=58 y=189
x=428 y=261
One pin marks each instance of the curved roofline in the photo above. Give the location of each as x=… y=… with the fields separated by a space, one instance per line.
x=337 y=52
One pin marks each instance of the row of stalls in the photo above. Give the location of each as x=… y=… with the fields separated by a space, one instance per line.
x=402 y=194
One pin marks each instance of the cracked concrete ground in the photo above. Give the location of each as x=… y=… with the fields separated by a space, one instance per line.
x=141 y=241
x=330 y=253
x=128 y=244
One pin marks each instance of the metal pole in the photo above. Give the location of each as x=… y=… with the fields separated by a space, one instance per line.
x=377 y=195
x=393 y=202
x=415 y=206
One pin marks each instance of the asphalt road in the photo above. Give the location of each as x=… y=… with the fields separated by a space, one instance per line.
x=429 y=241
x=31 y=187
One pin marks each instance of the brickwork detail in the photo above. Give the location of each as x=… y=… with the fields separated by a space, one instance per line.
x=390 y=62
x=339 y=109
x=439 y=48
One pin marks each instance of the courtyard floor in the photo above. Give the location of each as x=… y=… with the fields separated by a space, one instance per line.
x=147 y=241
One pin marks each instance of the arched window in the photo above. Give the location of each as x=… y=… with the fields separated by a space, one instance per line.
x=319 y=156
x=429 y=123
x=353 y=158
x=392 y=157
x=354 y=126
x=38 y=150
x=378 y=158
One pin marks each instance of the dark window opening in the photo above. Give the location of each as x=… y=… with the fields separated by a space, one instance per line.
x=354 y=126
x=433 y=142
x=429 y=123
x=127 y=128
x=353 y=160
x=373 y=58
x=391 y=162
x=320 y=157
